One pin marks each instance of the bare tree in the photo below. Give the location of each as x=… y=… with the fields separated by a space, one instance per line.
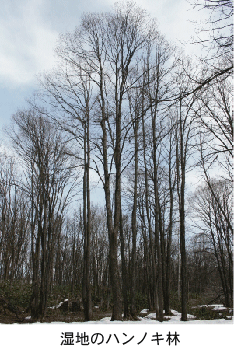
x=216 y=39
x=184 y=134
x=44 y=154
x=104 y=47
x=215 y=214
x=214 y=118
x=15 y=222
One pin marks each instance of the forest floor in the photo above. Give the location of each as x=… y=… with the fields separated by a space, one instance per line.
x=201 y=314
x=8 y=317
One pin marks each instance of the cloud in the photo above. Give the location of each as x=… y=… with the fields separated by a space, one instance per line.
x=26 y=41
x=176 y=20
x=29 y=31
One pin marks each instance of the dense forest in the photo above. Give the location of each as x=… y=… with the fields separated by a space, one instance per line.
x=127 y=119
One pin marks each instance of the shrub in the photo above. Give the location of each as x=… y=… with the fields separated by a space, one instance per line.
x=16 y=292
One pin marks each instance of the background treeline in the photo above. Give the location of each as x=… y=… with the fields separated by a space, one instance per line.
x=128 y=112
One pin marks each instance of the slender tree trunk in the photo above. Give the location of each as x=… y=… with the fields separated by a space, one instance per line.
x=151 y=243
x=184 y=292
x=124 y=271
x=158 y=225
x=87 y=302
x=134 y=224
x=44 y=254
x=147 y=255
x=181 y=166
x=169 y=238
x=88 y=284
x=35 y=254
x=112 y=231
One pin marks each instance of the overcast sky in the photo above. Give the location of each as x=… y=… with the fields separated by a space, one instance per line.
x=29 y=30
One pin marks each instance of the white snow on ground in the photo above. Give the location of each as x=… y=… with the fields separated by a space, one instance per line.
x=151 y=319
x=213 y=307
x=218 y=307
x=59 y=305
x=145 y=310
x=175 y=318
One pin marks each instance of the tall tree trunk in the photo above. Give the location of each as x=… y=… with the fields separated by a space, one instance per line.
x=87 y=302
x=88 y=284
x=134 y=223
x=184 y=292
x=44 y=254
x=124 y=271
x=151 y=243
x=169 y=237
x=158 y=225
x=112 y=231
x=35 y=254
x=181 y=166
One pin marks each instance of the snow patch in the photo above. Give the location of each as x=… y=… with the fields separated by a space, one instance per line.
x=218 y=308
x=59 y=305
x=145 y=310
x=213 y=307
x=176 y=316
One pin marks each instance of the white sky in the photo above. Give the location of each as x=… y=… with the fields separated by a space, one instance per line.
x=29 y=30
